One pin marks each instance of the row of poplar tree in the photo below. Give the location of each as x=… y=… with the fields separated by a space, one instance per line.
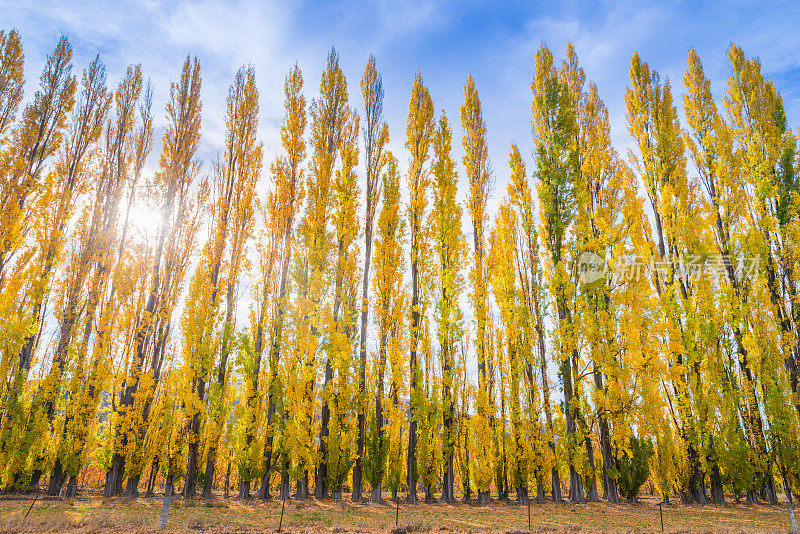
x=688 y=381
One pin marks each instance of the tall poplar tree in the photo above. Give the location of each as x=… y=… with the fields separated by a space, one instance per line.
x=178 y=203
x=388 y=295
x=376 y=136
x=282 y=209
x=530 y=275
x=450 y=250
x=419 y=130
x=34 y=140
x=555 y=130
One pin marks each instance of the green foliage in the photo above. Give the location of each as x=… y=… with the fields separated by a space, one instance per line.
x=633 y=466
x=377 y=448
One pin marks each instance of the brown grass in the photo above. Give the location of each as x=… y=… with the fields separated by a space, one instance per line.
x=92 y=515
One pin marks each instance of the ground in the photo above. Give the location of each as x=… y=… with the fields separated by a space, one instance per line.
x=93 y=514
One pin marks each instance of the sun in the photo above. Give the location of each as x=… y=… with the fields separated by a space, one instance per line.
x=144 y=219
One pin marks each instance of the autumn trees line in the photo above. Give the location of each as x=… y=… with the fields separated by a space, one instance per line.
x=688 y=378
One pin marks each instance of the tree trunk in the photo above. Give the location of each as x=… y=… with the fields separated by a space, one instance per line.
x=113 y=486
x=168 y=491
x=379 y=422
x=285 y=483
x=302 y=486
x=190 y=487
x=151 y=480
x=697 y=486
x=263 y=491
x=376 y=494
x=449 y=480
x=72 y=488
x=555 y=478
x=411 y=459
x=467 y=491
x=362 y=363
x=610 y=490
x=244 y=489
x=57 y=479
x=320 y=483
x=717 y=491
x=208 y=486
x=132 y=487
x=592 y=497
x=227 y=480
x=522 y=494
x=411 y=463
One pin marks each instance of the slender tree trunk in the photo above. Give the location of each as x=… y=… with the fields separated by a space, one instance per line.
x=151 y=480
x=227 y=479
x=610 y=490
x=576 y=494
x=448 y=420
x=449 y=480
x=192 y=461
x=168 y=491
x=555 y=478
x=467 y=490
x=379 y=419
x=320 y=483
x=211 y=457
x=362 y=362
x=411 y=460
x=592 y=496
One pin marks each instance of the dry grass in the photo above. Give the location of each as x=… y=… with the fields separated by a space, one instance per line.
x=232 y=516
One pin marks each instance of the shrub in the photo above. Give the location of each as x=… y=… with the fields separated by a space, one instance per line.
x=633 y=467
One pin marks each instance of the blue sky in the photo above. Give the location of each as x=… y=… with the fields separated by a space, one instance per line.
x=495 y=42
x=445 y=41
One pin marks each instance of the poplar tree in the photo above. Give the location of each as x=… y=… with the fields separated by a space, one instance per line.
x=329 y=114
x=383 y=452
x=341 y=398
x=171 y=188
x=530 y=275
x=62 y=191
x=555 y=131
x=572 y=75
x=476 y=154
x=376 y=136
x=503 y=278
x=282 y=208
x=419 y=130
x=91 y=264
x=653 y=123
x=450 y=251
x=242 y=169
x=33 y=141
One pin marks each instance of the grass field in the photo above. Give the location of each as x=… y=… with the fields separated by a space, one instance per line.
x=233 y=516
